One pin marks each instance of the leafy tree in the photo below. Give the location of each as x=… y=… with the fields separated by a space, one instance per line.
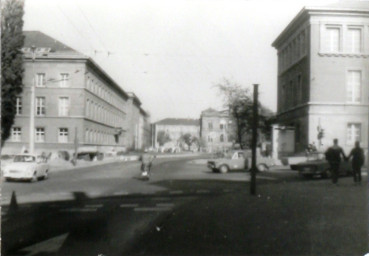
x=163 y=138
x=239 y=101
x=187 y=138
x=12 y=40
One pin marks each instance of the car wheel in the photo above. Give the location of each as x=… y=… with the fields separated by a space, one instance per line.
x=327 y=173
x=223 y=169
x=262 y=167
x=34 y=177
x=46 y=176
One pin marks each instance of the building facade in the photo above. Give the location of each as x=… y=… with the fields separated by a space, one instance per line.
x=323 y=78
x=138 y=129
x=74 y=100
x=175 y=128
x=216 y=129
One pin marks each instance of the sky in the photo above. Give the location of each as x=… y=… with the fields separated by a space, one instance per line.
x=172 y=53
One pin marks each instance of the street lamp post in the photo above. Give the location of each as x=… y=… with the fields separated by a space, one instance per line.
x=32 y=105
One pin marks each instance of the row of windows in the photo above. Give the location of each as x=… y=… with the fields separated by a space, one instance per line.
x=292 y=92
x=63 y=80
x=221 y=138
x=91 y=136
x=342 y=39
x=103 y=114
x=40 y=106
x=99 y=137
x=100 y=90
x=221 y=126
x=293 y=52
x=63 y=134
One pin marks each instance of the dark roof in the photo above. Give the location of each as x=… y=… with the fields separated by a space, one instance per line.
x=179 y=121
x=41 y=40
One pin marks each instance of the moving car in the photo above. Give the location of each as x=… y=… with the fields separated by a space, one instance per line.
x=27 y=167
x=317 y=165
x=238 y=160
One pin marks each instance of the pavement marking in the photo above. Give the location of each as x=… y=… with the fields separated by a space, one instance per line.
x=152 y=209
x=49 y=246
x=176 y=192
x=128 y=205
x=121 y=193
x=165 y=205
x=94 y=205
x=79 y=210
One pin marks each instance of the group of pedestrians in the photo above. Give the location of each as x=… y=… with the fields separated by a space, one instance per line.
x=333 y=156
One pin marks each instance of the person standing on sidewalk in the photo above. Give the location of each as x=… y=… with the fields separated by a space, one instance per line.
x=333 y=156
x=357 y=154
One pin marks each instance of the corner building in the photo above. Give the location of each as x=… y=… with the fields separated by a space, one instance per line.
x=74 y=98
x=323 y=78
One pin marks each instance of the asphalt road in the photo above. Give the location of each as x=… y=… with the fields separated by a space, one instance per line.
x=183 y=210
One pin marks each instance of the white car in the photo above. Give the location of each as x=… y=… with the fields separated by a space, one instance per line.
x=27 y=167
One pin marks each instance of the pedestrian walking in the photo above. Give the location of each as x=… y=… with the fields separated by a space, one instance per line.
x=357 y=154
x=333 y=156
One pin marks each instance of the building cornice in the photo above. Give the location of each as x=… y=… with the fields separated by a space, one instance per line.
x=307 y=12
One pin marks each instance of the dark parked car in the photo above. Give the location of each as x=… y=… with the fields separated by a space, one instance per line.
x=317 y=165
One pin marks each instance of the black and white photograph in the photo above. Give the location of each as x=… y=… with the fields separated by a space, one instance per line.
x=184 y=127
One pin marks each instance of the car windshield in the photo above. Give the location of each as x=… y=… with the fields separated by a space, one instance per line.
x=24 y=159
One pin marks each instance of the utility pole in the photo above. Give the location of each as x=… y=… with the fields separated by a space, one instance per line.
x=32 y=105
x=254 y=140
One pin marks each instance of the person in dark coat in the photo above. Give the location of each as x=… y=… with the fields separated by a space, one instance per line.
x=333 y=156
x=357 y=154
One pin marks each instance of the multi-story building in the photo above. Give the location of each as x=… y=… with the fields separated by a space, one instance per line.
x=74 y=99
x=216 y=129
x=138 y=130
x=323 y=78
x=175 y=128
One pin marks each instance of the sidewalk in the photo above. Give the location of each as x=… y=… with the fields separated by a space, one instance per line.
x=288 y=218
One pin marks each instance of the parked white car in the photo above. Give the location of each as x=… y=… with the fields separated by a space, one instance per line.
x=27 y=167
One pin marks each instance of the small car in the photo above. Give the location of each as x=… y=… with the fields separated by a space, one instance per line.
x=317 y=165
x=27 y=167
x=238 y=160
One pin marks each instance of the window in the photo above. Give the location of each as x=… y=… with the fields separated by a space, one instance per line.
x=16 y=133
x=332 y=42
x=221 y=126
x=63 y=135
x=18 y=106
x=209 y=139
x=353 y=133
x=40 y=134
x=40 y=106
x=221 y=138
x=63 y=106
x=40 y=79
x=64 y=78
x=354 y=86
x=210 y=125
x=354 y=40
